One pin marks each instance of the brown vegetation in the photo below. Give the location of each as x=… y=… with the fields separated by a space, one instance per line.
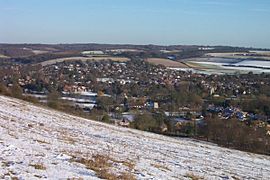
x=38 y=166
x=102 y=165
x=54 y=61
x=166 y=62
x=235 y=134
x=161 y=167
x=193 y=176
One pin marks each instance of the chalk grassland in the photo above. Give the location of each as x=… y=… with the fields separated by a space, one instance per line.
x=243 y=67
x=37 y=52
x=232 y=54
x=202 y=65
x=166 y=62
x=59 y=60
x=263 y=55
x=266 y=53
x=43 y=143
x=209 y=67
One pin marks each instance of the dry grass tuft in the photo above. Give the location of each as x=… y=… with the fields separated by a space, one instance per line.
x=126 y=176
x=7 y=176
x=66 y=138
x=102 y=165
x=193 y=176
x=38 y=166
x=161 y=167
x=41 y=141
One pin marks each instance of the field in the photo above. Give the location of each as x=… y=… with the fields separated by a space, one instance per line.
x=59 y=60
x=225 y=54
x=3 y=56
x=166 y=62
x=43 y=143
x=263 y=55
x=37 y=52
x=266 y=53
x=218 y=65
x=250 y=63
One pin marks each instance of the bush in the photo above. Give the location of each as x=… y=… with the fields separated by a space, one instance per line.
x=16 y=91
x=149 y=122
x=53 y=100
x=4 y=90
x=235 y=134
x=144 y=122
x=30 y=99
x=106 y=119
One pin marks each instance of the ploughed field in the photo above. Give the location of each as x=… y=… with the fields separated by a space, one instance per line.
x=166 y=62
x=42 y=143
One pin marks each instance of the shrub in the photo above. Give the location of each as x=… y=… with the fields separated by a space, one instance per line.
x=4 y=90
x=144 y=122
x=106 y=119
x=53 y=100
x=16 y=91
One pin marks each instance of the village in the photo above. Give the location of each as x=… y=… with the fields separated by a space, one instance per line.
x=123 y=89
x=149 y=89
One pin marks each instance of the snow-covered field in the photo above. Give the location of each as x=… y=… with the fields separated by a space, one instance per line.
x=31 y=136
x=259 y=64
x=231 y=66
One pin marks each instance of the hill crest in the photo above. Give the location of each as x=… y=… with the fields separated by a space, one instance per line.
x=43 y=143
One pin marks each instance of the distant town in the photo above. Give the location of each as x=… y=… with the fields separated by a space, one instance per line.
x=187 y=91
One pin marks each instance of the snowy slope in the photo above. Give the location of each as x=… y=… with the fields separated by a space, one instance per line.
x=34 y=135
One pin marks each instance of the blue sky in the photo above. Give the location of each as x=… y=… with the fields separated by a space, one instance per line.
x=201 y=22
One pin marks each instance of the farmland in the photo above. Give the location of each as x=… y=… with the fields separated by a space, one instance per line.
x=59 y=60
x=229 y=65
x=260 y=55
x=166 y=62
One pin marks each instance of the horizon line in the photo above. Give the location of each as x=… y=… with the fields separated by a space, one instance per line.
x=128 y=44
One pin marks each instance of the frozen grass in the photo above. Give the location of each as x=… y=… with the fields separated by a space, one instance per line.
x=43 y=143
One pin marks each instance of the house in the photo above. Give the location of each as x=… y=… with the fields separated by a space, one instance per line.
x=151 y=104
x=240 y=115
x=156 y=106
x=92 y=53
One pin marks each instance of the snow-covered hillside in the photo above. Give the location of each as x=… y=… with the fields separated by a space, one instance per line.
x=41 y=143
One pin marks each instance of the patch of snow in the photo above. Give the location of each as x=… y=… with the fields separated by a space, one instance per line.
x=34 y=135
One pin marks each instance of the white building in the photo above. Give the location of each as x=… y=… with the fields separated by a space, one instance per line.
x=92 y=53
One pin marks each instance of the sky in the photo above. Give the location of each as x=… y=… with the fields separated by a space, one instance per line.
x=165 y=22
